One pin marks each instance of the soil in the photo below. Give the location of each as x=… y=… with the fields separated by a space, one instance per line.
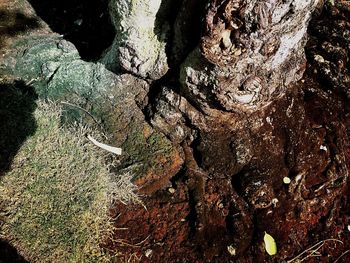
x=234 y=214
x=216 y=210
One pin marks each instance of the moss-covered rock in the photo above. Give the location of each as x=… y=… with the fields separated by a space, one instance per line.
x=88 y=94
x=92 y=94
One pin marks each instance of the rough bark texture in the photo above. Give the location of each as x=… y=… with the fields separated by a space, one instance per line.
x=139 y=45
x=244 y=123
x=250 y=52
x=211 y=137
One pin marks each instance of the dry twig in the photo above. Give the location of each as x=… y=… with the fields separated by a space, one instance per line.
x=115 y=150
x=313 y=250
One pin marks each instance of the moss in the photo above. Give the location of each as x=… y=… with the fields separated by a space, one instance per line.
x=149 y=150
x=56 y=197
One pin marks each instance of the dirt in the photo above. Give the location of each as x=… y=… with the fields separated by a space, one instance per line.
x=205 y=216
x=217 y=208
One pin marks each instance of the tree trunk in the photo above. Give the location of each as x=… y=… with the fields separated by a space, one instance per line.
x=236 y=129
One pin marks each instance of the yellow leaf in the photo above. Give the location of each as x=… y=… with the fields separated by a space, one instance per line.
x=270 y=244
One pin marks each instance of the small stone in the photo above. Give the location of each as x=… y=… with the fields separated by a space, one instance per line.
x=319 y=58
x=148 y=253
x=78 y=22
x=232 y=250
x=286 y=180
x=171 y=190
x=349 y=228
x=274 y=202
x=323 y=148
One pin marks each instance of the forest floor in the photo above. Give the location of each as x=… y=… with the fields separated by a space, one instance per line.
x=164 y=232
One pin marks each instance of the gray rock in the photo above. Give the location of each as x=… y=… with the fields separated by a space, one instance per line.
x=139 y=47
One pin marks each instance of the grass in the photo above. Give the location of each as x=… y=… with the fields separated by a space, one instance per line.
x=54 y=200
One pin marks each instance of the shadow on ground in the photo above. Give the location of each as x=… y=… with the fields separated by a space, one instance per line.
x=85 y=23
x=8 y=254
x=14 y=23
x=17 y=123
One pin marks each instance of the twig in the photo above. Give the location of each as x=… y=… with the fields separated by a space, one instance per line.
x=31 y=81
x=88 y=113
x=317 y=246
x=312 y=254
x=143 y=241
x=121 y=241
x=342 y=255
x=108 y=148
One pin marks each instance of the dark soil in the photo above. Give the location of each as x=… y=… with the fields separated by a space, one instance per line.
x=233 y=210
x=17 y=105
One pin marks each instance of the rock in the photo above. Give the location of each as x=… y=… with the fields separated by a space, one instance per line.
x=52 y=66
x=139 y=45
x=171 y=114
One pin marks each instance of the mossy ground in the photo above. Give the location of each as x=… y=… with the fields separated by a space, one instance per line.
x=55 y=197
x=147 y=149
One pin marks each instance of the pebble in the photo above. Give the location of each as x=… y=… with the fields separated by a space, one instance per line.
x=78 y=22
x=148 y=253
x=286 y=180
x=231 y=250
x=324 y=148
x=171 y=190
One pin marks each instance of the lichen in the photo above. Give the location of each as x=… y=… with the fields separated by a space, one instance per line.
x=138 y=47
x=146 y=149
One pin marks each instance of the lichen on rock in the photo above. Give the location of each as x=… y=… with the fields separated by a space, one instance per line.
x=53 y=67
x=138 y=47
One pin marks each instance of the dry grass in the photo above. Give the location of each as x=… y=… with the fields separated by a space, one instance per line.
x=313 y=251
x=54 y=201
